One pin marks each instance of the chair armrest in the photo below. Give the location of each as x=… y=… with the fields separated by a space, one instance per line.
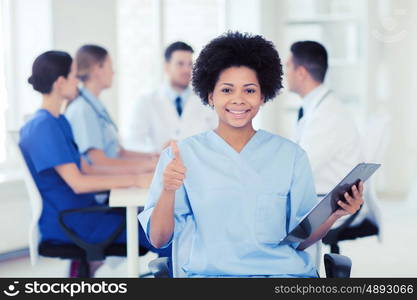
x=93 y=251
x=337 y=266
x=159 y=267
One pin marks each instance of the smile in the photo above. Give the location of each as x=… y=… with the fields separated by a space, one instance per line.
x=238 y=113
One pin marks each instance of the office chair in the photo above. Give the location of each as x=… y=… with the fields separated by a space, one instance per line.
x=79 y=251
x=346 y=232
x=367 y=221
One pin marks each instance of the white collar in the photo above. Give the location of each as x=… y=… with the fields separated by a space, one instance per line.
x=310 y=101
x=172 y=94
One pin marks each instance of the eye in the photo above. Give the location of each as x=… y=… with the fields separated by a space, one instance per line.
x=226 y=90
x=250 y=91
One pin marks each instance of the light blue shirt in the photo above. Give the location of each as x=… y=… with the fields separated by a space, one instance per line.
x=234 y=208
x=92 y=125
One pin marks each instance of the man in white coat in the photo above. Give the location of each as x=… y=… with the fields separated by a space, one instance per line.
x=172 y=112
x=325 y=129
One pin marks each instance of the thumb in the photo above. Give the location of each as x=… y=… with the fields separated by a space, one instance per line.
x=175 y=150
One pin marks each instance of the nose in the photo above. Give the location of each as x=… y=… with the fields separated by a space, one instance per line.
x=238 y=99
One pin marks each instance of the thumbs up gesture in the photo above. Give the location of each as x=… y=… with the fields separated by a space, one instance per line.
x=174 y=173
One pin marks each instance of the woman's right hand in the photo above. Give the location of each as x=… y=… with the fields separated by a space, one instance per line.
x=174 y=173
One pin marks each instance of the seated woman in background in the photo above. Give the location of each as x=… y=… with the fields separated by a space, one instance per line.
x=52 y=156
x=94 y=130
x=235 y=191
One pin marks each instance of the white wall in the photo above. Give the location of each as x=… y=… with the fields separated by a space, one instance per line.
x=265 y=18
x=30 y=35
x=392 y=88
x=145 y=29
x=78 y=22
x=139 y=66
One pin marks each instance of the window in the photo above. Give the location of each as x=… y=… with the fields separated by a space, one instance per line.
x=21 y=23
x=145 y=28
x=325 y=21
x=4 y=6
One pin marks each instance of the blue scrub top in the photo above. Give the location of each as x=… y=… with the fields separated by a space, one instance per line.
x=92 y=125
x=47 y=142
x=236 y=207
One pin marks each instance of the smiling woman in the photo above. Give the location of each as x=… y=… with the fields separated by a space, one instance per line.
x=242 y=68
x=234 y=50
x=236 y=99
x=233 y=193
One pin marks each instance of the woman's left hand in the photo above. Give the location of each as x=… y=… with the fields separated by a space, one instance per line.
x=352 y=204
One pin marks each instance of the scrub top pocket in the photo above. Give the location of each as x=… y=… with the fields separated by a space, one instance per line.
x=270 y=218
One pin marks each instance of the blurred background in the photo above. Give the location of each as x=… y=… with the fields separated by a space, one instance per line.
x=372 y=46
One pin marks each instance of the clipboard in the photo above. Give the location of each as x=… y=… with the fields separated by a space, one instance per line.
x=319 y=214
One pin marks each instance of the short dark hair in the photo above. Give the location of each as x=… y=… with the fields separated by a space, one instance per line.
x=88 y=56
x=175 y=47
x=238 y=49
x=46 y=69
x=312 y=56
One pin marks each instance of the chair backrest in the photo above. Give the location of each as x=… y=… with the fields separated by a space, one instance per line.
x=34 y=197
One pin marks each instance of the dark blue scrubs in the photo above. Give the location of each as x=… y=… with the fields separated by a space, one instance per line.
x=47 y=142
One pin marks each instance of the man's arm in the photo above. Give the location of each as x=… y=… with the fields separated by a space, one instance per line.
x=127 y=154
x=82 y=183
x=88 y=169
x=99 y=158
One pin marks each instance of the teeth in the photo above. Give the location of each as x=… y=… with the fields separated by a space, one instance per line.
x=239 y=112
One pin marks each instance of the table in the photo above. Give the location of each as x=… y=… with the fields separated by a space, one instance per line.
x=131 y=198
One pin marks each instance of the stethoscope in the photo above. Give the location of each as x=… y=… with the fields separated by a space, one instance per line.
x=102 y=115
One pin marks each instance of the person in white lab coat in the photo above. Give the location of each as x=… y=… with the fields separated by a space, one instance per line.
x=325 y=129
x=173 y=111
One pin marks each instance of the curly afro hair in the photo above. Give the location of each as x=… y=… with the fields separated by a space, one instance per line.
x=238 y=49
